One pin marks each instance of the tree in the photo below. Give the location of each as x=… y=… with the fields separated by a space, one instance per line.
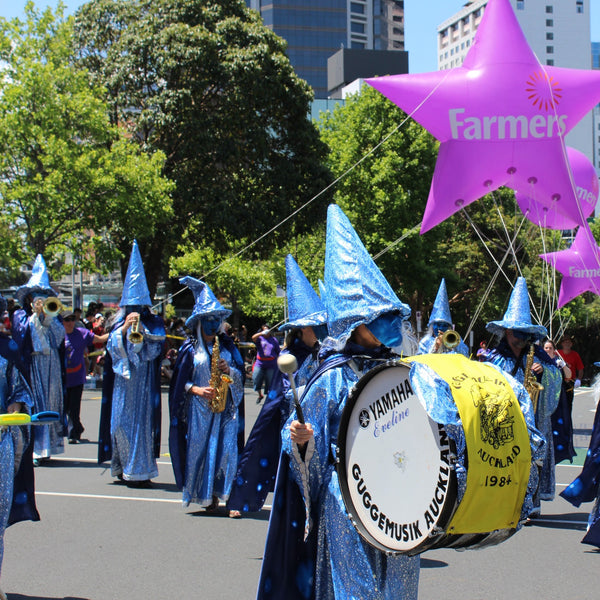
x=211 y=87
x=70 y=182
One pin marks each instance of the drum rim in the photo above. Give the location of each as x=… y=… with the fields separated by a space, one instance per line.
x=429 y=542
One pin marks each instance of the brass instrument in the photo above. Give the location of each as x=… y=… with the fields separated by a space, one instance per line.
x=450 y=339
x=530 y=383
x=219 y=381
x=52 y=306
x=135 y=336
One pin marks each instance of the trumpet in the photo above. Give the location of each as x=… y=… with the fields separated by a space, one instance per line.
x=135 y=336
x=52 y=306
x=450 y=339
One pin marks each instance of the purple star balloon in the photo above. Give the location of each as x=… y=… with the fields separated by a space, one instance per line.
x=579 y=265
x=500 y=118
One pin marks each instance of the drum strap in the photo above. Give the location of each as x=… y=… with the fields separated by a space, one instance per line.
x=497 y=439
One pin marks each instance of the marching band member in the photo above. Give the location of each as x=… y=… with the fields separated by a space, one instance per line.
x=17 y=499
x=257 y=466
x=203 y=438
x=516 y=348
x=365 y=319
x=440 y=322
x=40 y=335
x=130 y=413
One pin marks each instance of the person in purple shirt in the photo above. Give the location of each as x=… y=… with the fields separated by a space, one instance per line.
x=267 y=351
x=77 y=339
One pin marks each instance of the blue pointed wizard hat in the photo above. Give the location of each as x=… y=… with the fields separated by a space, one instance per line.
x=39 y=282
x=205 y=302
x=135 y=288
x=322 y=293
x=305 y=308
x=357 y=291
x=517 y=315
x=440 y=312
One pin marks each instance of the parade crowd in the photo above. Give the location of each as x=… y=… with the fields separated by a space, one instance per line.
x=332 y=340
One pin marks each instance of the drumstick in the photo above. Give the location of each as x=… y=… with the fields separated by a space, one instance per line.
x=287 y=363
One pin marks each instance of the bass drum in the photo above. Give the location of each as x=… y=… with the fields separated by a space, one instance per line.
x=396 y=468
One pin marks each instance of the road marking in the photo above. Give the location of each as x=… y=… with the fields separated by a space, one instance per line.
x=104 y=497
x=134 y=498
x=93 y=460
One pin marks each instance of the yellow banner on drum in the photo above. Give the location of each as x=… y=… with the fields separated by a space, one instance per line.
x=498 y=451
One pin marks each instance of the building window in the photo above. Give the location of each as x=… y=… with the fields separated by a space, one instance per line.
x=549 y=35
x=549 y=10
x=550 y=62
x=357 y=8
x=580 y=6
x=549 y=49
x=520 y=4
x=357 y=27
x=549 y=22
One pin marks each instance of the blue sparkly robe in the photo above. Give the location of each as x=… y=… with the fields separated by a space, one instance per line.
x=130 y=413
x=257 y=466
x=203 y=444
x=586 y=486
x=41 y=343
x=427 y=341
x=17 y=500
x=503 y=357
x=345 y=565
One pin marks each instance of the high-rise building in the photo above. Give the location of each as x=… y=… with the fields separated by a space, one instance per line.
x=558 y=31
x=317 y=29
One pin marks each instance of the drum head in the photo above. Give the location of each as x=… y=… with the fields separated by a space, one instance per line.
x=394 y=467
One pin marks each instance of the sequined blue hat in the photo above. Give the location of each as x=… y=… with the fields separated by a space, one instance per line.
x=205 y=304
x=39 y=282
x=441 y=307
x=305 y=308
x=322 y=293
x=517 y=315
x=135 y=288
x=357 y=291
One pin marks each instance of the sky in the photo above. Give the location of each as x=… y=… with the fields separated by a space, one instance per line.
x=421 y=16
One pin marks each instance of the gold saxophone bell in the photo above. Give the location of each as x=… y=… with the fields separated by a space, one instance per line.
x=450 y=339
x=135 y=336
x=52 y=306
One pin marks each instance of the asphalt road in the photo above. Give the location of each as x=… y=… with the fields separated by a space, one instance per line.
x=98 y=540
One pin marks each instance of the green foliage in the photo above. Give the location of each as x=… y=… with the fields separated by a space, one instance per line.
x=207 y=84
x=69 y=181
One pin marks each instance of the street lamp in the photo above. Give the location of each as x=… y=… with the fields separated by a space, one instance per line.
x=280 y=293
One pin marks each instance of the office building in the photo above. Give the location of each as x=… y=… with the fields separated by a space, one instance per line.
x=317 y=29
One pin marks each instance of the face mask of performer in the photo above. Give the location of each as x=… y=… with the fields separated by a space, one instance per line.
x=387 y=328
x=210 y=326
x=439 y=327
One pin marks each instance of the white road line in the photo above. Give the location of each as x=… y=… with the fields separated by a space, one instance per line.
x=93 y=460
x=103 y=497
x=134 y=498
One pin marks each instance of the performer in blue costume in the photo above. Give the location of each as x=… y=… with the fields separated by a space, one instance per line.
x=517 y=334
x=203 y=443
x=130 y=413
x=586 y=486
x=365 y=319
x=440 y=321
x=257 y=466
x=17 y=499
x=40 y=338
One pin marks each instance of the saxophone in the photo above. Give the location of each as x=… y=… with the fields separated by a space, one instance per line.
x=218 y=380
x=530 y=383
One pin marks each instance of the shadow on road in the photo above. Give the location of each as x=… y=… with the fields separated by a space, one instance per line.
x=22 y=597
x=429 y=563
x=572 y=521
